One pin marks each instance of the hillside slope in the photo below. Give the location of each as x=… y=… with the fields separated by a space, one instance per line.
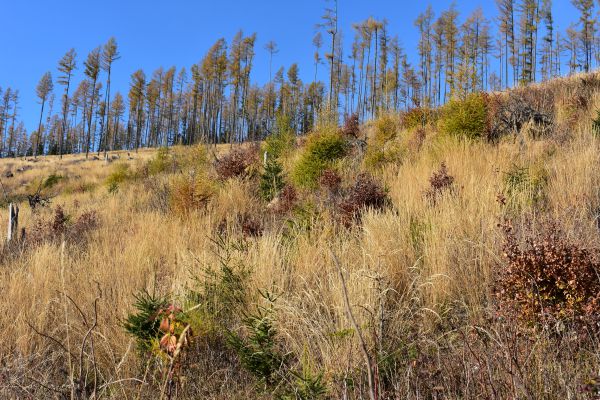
x=433 y=254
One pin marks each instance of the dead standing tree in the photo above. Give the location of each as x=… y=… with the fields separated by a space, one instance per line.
x=13 y=222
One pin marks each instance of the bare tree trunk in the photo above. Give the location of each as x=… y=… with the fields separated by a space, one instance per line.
x=37 y=138
x=13 y=222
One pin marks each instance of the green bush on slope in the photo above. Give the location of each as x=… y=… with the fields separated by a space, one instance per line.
x=321 y=151
x=465 y=118
x=282 y=141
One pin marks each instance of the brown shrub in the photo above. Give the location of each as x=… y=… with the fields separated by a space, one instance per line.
x=417 y=140
x=61 y=227
x=511 y=112
x=592 y=387
x=37 y=200
x=578 y=99
x=351 y=126
x=236 y=163
x=485 y=361
x=365 y=193
x=251 y=226
x=439 y=183
x=84 y=224
x=330 y=180
x=540 y=98
x=58 y=223
x=190 y=193
x=549 y=279
x=286 y=200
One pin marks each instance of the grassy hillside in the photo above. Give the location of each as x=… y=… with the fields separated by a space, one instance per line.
x=435 y=254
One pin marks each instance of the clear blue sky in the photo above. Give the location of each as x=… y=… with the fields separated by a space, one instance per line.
x=150 y=33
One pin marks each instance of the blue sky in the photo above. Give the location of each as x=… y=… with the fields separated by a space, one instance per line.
x=150 y=33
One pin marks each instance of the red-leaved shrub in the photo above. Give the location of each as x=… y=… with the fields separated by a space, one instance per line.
x=330 y=180
x=251 y=226
x=236 y=163
x=365 y=193
x=351 y=126
x=286 y=200
x=549 y=279
x=440 y=182
x=62 y=227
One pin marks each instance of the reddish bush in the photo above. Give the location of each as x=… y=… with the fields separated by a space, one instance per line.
x=60 y=227
x=351 y=126
x=84 y=224
x=58 y=224
x=330 y=180
x=288 y=197
x=366 y=193
x=286 y=200
x=549 y=279
x=236 y=163
x=251 y=226
x=439 y=182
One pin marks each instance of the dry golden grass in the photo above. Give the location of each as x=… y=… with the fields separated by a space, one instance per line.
x=430 y=262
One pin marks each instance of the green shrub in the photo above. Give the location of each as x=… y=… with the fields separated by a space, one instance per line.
x=143 y=324
x=516 y=179
x=282 y=141
x=386 y=128
x=257 y=350
x=271 y=180
x=375 y=158
x=525 y=185
x=221 y=290
x=304 y=217
x=596 y=124
x=120 y=173
x=384 y=146
x=52 y=180
x=161 y=162
x=306 y=386
x=192 y=158
x=465 y=118
x=417 y=229
x=319 y=154
x=417 y=117
x=113 y=187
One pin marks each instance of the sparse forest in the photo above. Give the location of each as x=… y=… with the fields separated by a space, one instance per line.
x=215 y=100
x=407 y=229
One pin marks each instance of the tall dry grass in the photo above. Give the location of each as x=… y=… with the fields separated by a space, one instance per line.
x=418 y=274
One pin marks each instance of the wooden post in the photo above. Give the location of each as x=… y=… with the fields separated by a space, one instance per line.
x=265 y=160
x=13 y=222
